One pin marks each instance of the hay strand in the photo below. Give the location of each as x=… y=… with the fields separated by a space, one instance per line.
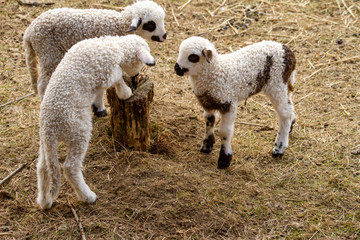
x=184 y=5
x=77 y=219
x=340 y=61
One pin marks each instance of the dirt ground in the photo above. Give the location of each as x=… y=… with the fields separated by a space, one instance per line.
x=174 y=191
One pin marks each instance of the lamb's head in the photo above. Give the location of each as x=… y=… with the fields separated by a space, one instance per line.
x=137 y=54
x=194 y=54
x=148 y=20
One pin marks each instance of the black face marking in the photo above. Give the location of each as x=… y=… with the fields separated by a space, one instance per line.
x=224 y=159
x=193 y=58
x=280 y=145
x=149 y=26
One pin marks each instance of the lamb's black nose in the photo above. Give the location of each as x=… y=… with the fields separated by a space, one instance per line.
x=164 y=36
x=180 y=71
x=155 y=38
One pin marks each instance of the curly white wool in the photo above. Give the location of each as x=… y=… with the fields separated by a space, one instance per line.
x=51 y=34
x=221 y=81
x=88 y=67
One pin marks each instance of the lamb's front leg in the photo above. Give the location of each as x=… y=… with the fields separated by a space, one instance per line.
x=98 y=104
x=209 y=138
x=122 y=90
x=226 y=131
x=285 y=112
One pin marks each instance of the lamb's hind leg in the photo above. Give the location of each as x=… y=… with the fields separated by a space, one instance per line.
x=73 y=167
x=285 y=111
x=48 y=65
x=226 y=131
x=209 y=138
x=44 y=198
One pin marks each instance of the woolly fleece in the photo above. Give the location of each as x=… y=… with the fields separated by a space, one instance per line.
x=232 y=77
x=88 y=67
x=53 y=33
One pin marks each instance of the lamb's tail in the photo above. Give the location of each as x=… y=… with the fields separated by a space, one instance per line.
x=31 y=62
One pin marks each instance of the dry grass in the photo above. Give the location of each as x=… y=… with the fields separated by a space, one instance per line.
x=174 y=192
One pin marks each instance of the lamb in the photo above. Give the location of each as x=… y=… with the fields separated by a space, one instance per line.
x=220 y=81
x=89 y=67
x=51 y=34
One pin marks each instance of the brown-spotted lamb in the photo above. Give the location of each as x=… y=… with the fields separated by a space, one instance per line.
x=89 y=67
x=55 y=31
x=221 y=81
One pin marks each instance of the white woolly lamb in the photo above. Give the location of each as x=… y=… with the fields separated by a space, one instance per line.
x=51 y=34
x=221 y=81
x=88 y=67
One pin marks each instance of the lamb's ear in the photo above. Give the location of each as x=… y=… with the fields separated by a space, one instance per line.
x=145 y=57
x=135 y=23
x=208 y=54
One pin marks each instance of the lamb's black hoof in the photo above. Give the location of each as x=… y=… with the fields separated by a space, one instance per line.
x=208 y=144
x=291 y=127
x=224 y=159
x=97 y=113
x=277 y=154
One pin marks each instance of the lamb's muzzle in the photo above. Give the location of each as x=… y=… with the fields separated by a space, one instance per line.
x=180 y=71
x=159 y=39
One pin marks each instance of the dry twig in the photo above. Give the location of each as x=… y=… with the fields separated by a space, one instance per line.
x=19 y=169
x=33 y=3
x=77 y=219
x=16 y=100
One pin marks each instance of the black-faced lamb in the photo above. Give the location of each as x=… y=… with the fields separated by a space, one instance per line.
x=51 y=34
x=220 y=81
x=88 y=67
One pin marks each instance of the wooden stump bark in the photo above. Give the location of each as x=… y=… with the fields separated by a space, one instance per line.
x=130 y=119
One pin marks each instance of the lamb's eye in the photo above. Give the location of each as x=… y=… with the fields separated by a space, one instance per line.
x=149 y=26
x=194 y=58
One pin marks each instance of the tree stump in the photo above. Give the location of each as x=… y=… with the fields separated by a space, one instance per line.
x=130 y=119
